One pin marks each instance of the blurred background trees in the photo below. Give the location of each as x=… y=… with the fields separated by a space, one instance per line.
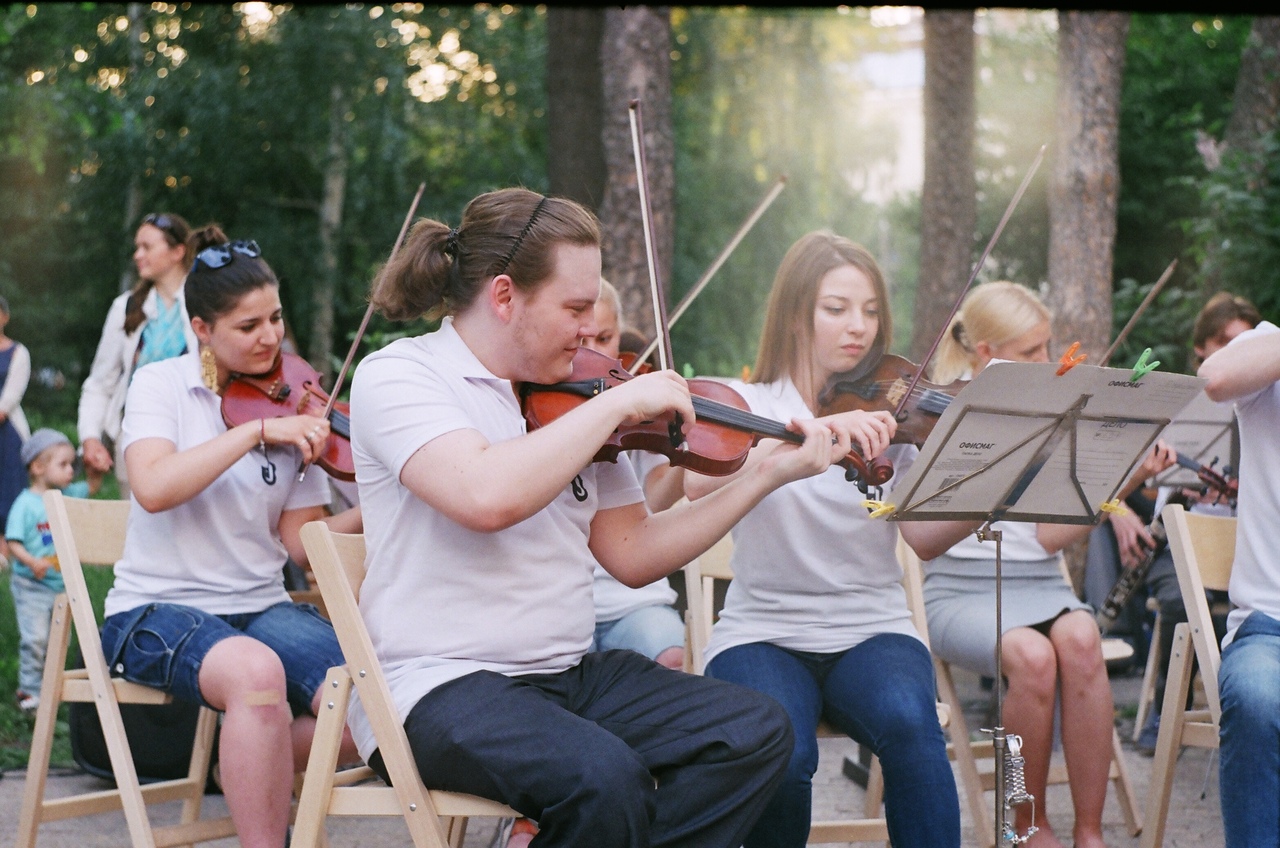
x=309 y=128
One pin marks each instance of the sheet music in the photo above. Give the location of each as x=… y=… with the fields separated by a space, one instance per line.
x=1204 y=431
x=1021 y=443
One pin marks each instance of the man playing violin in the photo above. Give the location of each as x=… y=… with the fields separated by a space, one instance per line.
x=1247 y=371
x=482 y=536
x=1220 y=320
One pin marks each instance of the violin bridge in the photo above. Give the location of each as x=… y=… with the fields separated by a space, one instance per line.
x=896 y=391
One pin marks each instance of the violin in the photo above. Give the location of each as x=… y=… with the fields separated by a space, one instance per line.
x=1226 y=487
x=628 y=359
x=885 y=388
x=292 y=387
x=716 y=445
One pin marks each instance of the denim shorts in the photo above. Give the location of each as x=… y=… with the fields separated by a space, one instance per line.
x=648 y=631
x=164 y=645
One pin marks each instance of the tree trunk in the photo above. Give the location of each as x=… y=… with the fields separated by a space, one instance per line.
x=1255 y=106
x=637 y=40
x=949 y=197
x=1086 y=177
x=133 y=194
x=1084 y=188
x=1255 y=114
x=320 y=351
x=575 y=104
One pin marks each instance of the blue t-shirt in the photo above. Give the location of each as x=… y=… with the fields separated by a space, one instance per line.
x=29 y=524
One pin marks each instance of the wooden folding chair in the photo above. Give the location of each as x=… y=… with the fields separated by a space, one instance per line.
x=978 y=781
x=704 y=572
x=1203 y=548
x=92 y=531
x=435 y=819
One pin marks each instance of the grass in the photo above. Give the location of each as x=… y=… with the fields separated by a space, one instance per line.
x=16 y=726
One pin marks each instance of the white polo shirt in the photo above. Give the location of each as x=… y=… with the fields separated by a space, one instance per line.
x=812 y=571
x=441 y=601
x=1255 y=573
x=613 y=599
x=220 y=551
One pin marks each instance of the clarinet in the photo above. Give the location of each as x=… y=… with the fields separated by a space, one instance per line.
x=1222 y=483
x=1131 y=579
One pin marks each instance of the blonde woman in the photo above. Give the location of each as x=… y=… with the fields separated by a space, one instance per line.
x=1050 y=637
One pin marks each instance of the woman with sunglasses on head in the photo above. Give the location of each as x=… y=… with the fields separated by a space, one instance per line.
x=147 y=324
x=816 y=615
x=199 y=608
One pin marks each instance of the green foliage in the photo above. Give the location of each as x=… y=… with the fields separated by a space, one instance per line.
x=1017 y=78
x=16 y=726
x=231 y=114
x=1236 y=240
x=753 y=100
x=1180 y=73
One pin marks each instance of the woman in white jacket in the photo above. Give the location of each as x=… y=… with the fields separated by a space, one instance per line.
x=144 y=325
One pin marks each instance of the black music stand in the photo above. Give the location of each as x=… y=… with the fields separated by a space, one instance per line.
x=1023 y=442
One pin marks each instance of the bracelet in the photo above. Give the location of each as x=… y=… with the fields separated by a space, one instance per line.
x=262 y=434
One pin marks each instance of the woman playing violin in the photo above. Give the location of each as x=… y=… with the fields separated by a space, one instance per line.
x=816 y=615
x=1050 y=636
x=642 y=620
x=483 y=535
x=199 y=608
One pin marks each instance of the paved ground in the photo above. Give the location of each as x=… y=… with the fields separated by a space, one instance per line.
x=1194 y=821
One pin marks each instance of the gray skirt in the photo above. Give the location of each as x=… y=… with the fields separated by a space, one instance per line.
x=960 y=604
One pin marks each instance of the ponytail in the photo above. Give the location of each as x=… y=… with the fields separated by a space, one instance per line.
x=440 y=271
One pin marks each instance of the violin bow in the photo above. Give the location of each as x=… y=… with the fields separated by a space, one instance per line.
x=1133 y=319
x=729 y=248
x=364 y=322
x=646 y=218
x=995 y=236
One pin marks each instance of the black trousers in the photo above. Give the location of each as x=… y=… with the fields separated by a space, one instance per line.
x=617 y=751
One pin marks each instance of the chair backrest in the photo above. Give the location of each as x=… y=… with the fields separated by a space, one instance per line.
x=1203 y=548
x=337 y=560
x=714 y=565
x=85 y=532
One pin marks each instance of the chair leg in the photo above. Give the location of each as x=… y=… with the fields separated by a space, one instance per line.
x=1168 y=743
x=46 y=720
x=1124 y=788
x=875 y=789
x=322 y=764
x=962 y=751
x=1146 y=699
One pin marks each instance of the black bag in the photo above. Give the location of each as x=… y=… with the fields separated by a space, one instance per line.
x=161 y=737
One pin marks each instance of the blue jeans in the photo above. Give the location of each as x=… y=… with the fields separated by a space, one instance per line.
x=164 y=645
x=33 y=607
x=883 y=695
x=1249 y=763
x=648 y=631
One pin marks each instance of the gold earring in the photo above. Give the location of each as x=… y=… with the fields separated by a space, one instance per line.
x=209 y=369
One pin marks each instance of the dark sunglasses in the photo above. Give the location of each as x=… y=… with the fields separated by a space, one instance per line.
x=162 y=222
x=220 y=255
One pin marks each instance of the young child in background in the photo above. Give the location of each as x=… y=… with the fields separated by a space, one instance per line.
x=50 y=459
